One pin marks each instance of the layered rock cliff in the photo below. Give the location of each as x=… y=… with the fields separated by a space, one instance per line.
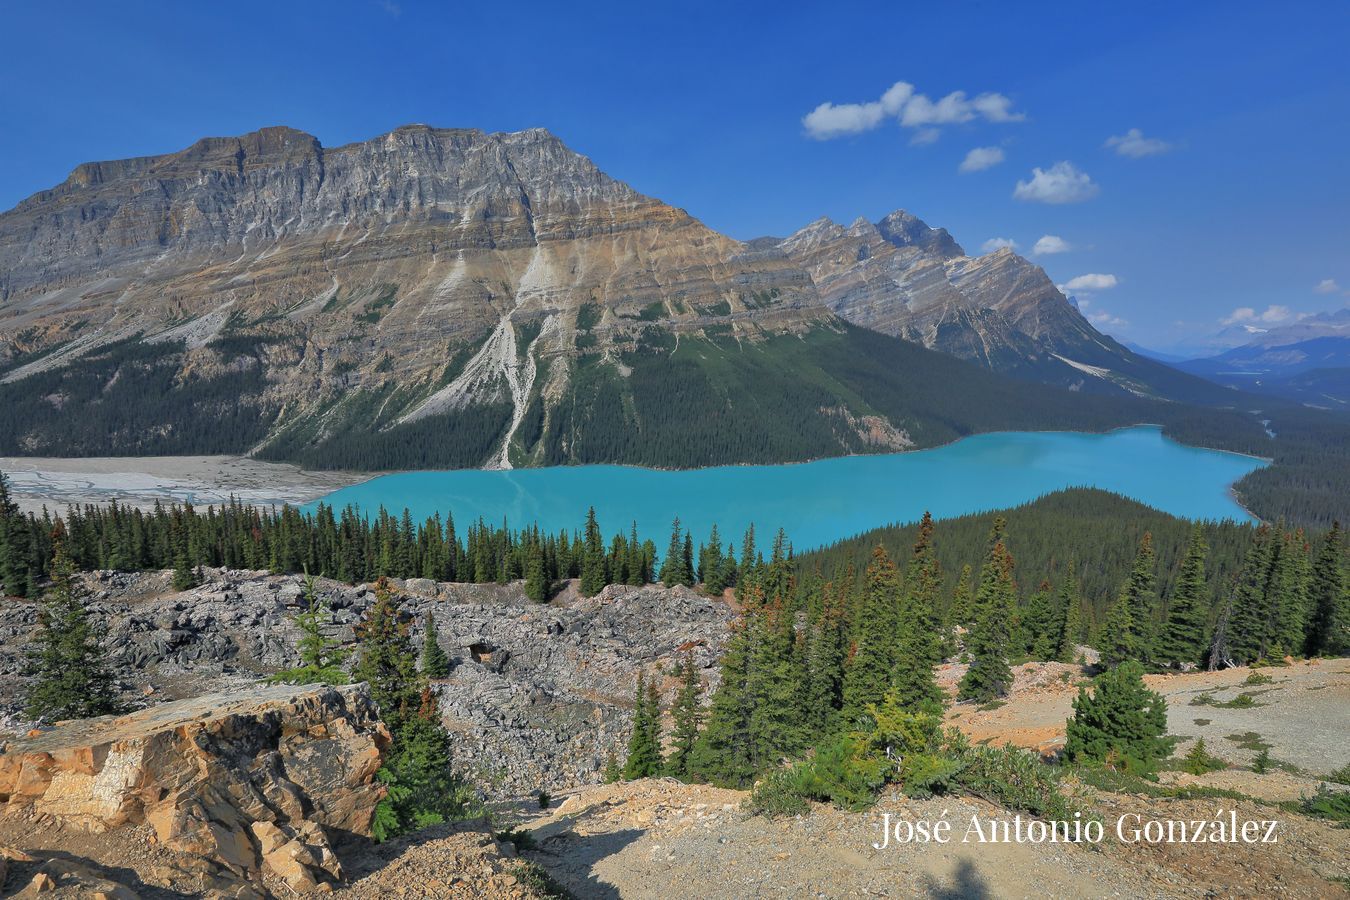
x=495 y=293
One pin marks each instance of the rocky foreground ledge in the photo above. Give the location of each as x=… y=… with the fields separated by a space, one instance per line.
x=238 y=787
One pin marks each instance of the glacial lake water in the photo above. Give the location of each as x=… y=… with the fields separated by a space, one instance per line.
x=823 y=501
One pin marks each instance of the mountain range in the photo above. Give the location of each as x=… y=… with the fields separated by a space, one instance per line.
x=447 y=297
x=1307 y=361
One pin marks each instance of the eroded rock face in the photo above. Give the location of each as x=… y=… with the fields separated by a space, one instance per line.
x=241 y=783
x=537 y=697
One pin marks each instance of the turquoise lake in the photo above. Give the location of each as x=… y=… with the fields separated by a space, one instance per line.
x=823 y=501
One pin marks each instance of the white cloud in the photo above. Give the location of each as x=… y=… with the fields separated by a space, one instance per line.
x=925 y=136
x=981 y=158
x=832 y=120
x=998 y=243
x=1273 y=315
x=1049 y=244
x=1061 y=183
x=1105 y=319
x=1093 y=281
x=1326 y=286
x=1134 y=145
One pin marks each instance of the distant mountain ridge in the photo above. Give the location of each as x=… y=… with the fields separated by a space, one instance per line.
x=452 y=297
x=1308 y=361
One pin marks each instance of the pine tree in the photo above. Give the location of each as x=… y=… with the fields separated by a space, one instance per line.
x=593 y=576
x=536 y=576
x=435 y=662
x=918 y=651
x=989 y=676
x=1121 y=720
x=387 y=661
x=774 y=686
x=711 y=570
x=321 y=656
x=1246 y=624
x=15 y=547
x=68 y=666
x=1329 y=627
x=963 y=600
x=1071 y=610
x=824 y=668
x=1038 y=625
x=1140 y=592
x=868 y=675
x=1183 y=641
x=686 y=717
x=675 y=568
x=1117 y=641
x=722 y=753
x=644 y=744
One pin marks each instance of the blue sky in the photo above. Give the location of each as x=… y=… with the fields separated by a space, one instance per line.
x=1235 y=195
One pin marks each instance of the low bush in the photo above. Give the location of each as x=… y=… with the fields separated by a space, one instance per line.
x=1199 y=760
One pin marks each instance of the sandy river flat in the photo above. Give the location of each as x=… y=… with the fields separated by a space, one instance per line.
x=141 y=480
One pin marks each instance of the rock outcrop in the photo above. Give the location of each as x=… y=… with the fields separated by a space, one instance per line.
x=537 y=695
x=243 y=786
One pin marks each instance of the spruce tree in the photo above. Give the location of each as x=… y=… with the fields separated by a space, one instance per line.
x=15 y=548
x=71 y=679
x=918 y=651
x=321 y=656
x=824 y=668
x=435 y=662
x=1246 y=630
x=536 y=575
x=1117 y=641
x=989 y=676
x=722 y=753
x=963 y=600
x=1070 y=604
x=1038 y=625
x=593 y=576
x=774 y=686
x=1183 y=641
x=868 y=675
x=644 y=744
x=387 y=661
x=675 y=567
x=1329 y=627
x=1140 y=592
x=686 y=717
x=1121 y=721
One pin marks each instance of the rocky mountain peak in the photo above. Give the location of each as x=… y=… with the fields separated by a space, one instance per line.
x=905 y=229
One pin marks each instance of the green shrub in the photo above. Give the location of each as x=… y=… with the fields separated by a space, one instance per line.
x=1341 y=775
x=1261 y=765
x=536 y=877
x=1016 y=779
x=1199 y=760
x=1259 y=678
x=1328 y=804
x=780 y=793
x=1121 y=723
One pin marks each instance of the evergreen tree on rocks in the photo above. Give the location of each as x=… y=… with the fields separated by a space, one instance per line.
x=1245 y=631
x=593 y=576
x=987 y=643
x=1329 y=627
x=675 y=568
x=536 y=574
x=711 y=565
x=1121 y=722
x=387 y=661
x=435 y=662
x=1183 y=641
x=321 y=656
x=686 y=718
x=644 y=744
x=868 y=675
x=70 y=676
